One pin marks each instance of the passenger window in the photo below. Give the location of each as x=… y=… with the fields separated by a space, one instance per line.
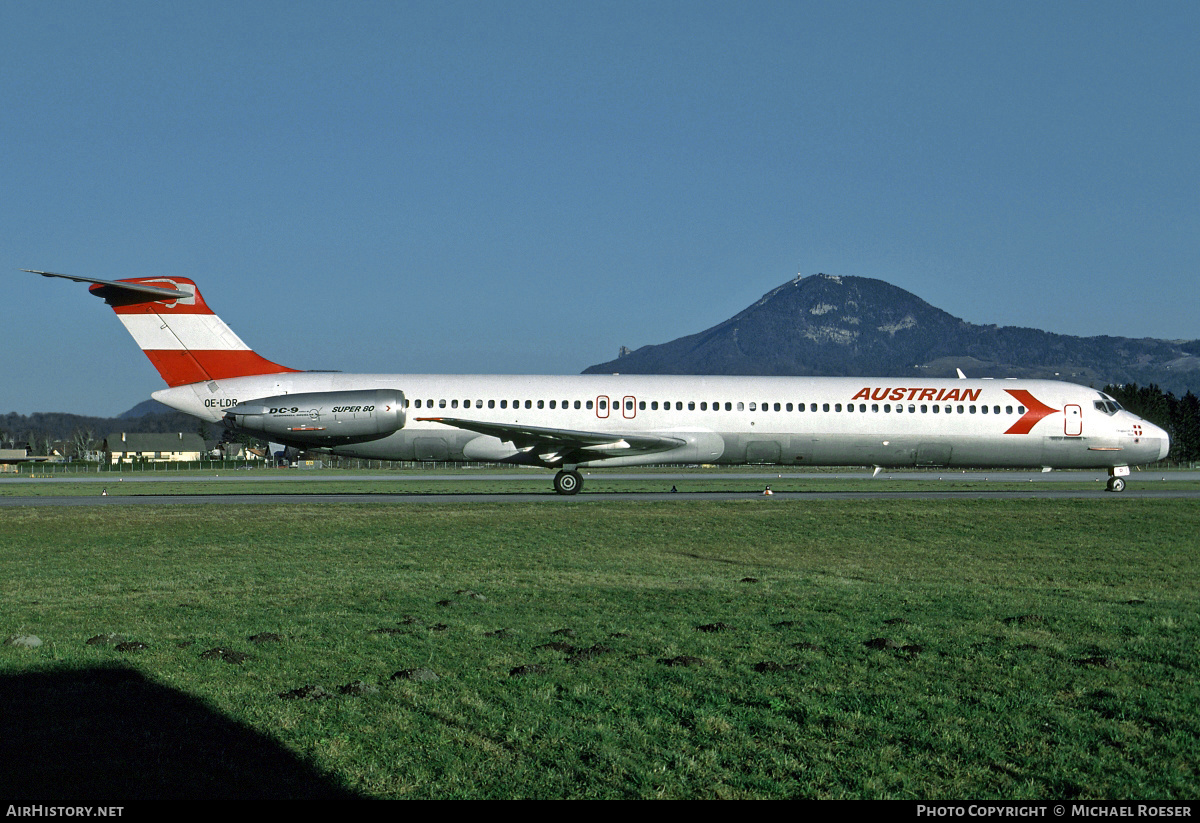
x=983 y=409
x=729 y=407
x=678 y=405
x=824 y=407
x=703 y=406
x=972 y=409
x=789 y=406
x=576 y=404
x=937 y=409
x=529 y=404
x=541 y=404
x=1008 y=409
x=837 y=407
x=691 y=405
x=589 y=405
x=924 y=409
x=776 y=407
x=641 y=405
x=552 y=402
x=741 y=406
x=752 y=407
x=912 y=409
x=995 y=409
x=491 y=404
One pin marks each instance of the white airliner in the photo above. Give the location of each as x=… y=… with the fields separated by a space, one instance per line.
x=622 y=420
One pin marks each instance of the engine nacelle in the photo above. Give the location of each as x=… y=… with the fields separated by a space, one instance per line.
x=322 y=418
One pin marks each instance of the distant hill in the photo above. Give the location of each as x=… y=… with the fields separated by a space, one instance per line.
x=147 y=407
x=857 y=326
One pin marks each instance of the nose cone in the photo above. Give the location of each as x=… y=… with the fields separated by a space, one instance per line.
x=1164 y=441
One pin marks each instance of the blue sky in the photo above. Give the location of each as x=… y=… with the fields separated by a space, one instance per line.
x=526 y=186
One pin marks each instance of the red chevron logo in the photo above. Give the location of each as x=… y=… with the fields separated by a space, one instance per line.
x=1036 y=411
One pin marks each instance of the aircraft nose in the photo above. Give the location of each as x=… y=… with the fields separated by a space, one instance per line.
x=1152 y=436
x=1164 y=442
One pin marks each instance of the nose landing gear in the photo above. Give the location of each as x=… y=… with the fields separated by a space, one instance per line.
x=1116 y=478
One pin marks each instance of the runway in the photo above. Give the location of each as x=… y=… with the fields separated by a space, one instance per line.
x=281 y=475
x=1040 y=486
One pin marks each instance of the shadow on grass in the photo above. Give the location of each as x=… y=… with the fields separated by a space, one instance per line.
x=107 y=734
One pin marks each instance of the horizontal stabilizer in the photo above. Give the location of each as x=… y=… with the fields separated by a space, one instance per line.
x=138 y=290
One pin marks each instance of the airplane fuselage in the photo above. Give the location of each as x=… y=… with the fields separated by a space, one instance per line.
x=816 y=421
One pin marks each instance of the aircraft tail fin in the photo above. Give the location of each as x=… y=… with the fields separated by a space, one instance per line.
x=176 y=329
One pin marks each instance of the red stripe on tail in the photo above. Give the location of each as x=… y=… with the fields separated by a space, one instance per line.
x=181 y=367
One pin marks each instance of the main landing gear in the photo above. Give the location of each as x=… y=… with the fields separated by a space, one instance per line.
x=568 y=482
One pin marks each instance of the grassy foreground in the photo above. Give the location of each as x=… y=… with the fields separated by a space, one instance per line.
x=1022 y=649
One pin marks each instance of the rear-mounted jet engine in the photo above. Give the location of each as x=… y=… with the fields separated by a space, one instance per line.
x=321 y=418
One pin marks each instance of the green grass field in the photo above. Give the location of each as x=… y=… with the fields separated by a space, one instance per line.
x=1026 y=649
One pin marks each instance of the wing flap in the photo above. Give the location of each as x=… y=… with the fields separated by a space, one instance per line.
x=561 y=440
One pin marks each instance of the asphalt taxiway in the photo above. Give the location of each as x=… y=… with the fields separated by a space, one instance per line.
x=1040 y=486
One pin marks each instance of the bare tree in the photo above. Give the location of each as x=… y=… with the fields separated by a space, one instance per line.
x=83 y=443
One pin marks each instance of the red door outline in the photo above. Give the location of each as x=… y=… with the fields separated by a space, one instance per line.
x=629 y=407
x=1073 y=420
x=602 y=404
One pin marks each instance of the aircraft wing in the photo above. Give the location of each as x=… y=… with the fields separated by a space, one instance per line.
x=562 y=441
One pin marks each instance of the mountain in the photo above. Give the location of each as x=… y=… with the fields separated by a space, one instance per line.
x=146 y=407
x=857 y=326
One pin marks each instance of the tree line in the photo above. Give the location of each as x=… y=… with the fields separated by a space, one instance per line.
x=80 y=433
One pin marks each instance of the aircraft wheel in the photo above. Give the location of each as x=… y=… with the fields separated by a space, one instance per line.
x=1116 y=484
x=568 y=482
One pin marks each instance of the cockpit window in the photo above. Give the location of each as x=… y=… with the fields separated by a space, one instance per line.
x=1109 y=407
